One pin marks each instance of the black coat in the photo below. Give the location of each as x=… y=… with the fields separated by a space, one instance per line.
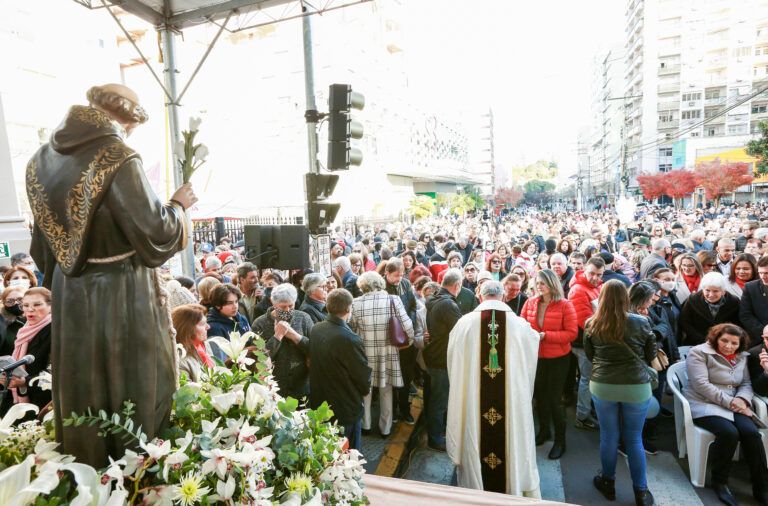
x=339 y=373
x=405 y=292
x=610 y=274
x=753 y=309
x=756 y=374
x=696 y=319
x=566 y=280
x=442 y=315
x=315 y=309
x=9 y=326
x=516 y=304
x=613 y=362
x=466 y=300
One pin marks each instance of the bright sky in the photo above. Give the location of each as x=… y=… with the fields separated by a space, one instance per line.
x=529 y=60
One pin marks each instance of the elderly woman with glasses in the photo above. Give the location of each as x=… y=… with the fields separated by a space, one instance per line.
x=315 y=295
x=286 y=332
x=710 y=306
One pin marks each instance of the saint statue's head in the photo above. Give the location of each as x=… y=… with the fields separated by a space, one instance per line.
x=120 y=103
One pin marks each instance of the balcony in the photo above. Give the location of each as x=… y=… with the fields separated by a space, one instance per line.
x=759 y=116
x=669 y=88
x=666 y=125
x=669 y=69
x=668 y=106
x=709 y=102
x=719 y=120
x=669 y=49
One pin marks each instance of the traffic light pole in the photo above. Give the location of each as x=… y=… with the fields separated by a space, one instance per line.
x=311 y=115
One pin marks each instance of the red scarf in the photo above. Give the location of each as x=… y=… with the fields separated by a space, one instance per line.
x=200 y=349
x=730 y=358
x=692 y=282
x=741 y=283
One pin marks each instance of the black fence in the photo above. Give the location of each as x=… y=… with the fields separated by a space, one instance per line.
x=212 y=230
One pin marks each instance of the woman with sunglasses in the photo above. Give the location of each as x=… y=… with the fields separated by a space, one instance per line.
x=495 y=265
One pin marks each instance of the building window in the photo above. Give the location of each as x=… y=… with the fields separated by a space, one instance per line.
x=665 y=167
x=710 y=94
x=759 y=108
x=665 y=151
x=710 y=132
x=695 y=114
x=690 y=97
x=742 y=51
x=666 y=117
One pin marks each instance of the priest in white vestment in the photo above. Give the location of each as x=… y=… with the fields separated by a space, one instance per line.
x=490 y=425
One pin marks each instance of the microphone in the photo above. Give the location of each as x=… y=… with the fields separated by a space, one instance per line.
x=25 y=360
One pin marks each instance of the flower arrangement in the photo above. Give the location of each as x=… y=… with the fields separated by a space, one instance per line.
x=190 y=155
x=233 y=440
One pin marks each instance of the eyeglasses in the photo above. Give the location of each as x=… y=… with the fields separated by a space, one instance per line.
x=495 y=261
x=356 y=265
x=471 y=269
x=12 y=302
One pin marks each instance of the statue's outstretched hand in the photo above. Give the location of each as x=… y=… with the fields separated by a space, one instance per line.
x=185 y=196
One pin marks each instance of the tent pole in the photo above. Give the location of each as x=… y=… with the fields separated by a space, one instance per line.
x=172 y=109
x=311 y=115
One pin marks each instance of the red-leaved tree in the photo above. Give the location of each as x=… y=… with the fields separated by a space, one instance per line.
x=652 y=185
x=678 y=184
x=509 y=196
x=719 y=178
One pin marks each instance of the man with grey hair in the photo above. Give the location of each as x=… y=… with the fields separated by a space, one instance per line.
x=660 y=248
x=315 y=295
x=726 y=247
x=442 y=314
x=343 y=268
x=559 y=265
x=699 y=240
x=492 y=358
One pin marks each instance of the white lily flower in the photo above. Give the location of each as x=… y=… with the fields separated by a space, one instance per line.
x=235 y=345
x=179 y=149
x=244 y=361
x=223 y=402
x=16 y=412
x=45 y=451
x=154 y=451
x=217 y=462
x=118 y=498
x=44 y=381
x=225 y=490
x=132 y=462
x=185 y=441
x=194 y=123
x=14 y=480
x=88 y=483
x=161 y=496
x=255 y=395
x=201 y=152
x=174 y=459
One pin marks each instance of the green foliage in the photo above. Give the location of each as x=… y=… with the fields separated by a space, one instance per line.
x=759 y=149
x=537 y=191
x=421 y=206
x=541 y=169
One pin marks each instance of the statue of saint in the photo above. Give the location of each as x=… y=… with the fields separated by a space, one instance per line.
x=99 y=233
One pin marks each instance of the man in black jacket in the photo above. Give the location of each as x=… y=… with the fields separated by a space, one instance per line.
x=315 y=296
x=757 y=363
x=398 y=285
x=753 y=307
x=339 y=374
x=442 y=315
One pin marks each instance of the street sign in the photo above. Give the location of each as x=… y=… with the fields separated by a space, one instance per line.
x=324 y=254
x=5 y=250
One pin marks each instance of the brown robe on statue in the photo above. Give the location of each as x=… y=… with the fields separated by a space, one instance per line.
x=99 y=233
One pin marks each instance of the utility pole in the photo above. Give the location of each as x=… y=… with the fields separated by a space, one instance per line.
x=312 y=116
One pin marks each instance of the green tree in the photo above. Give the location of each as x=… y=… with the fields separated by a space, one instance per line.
x=759 y=149
x=421 y=206
x=462 y=203
x=541 y=170
x=538 y=191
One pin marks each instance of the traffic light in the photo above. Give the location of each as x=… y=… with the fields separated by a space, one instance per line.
x=342 y=128
x=320 y=214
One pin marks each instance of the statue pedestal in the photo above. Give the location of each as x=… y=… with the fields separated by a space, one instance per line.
x=13 y=228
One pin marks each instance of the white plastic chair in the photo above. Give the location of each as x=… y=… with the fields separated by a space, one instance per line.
x=683 y=350
x=691 y=439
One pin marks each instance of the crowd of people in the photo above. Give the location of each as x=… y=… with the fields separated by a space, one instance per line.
x=614 y=303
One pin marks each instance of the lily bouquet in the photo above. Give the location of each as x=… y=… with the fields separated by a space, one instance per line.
x=233 y=440
x=190 y=155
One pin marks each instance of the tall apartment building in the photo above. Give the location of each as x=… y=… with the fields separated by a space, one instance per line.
x=687 y=62
x=603 y=145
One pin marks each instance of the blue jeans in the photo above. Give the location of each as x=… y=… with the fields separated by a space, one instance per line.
x=438 y=405
x=584 y=398
x=625 y=419
x=353 y=433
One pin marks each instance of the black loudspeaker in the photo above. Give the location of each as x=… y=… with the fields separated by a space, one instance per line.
x=292 y=247
x=277 y=246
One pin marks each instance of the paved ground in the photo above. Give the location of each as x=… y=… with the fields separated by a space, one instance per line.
x=570 y=479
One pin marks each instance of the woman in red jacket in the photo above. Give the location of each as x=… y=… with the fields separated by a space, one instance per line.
x=553 y=316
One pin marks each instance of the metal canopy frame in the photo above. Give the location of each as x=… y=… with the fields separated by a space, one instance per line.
x=248 y=14
x=181 y=14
